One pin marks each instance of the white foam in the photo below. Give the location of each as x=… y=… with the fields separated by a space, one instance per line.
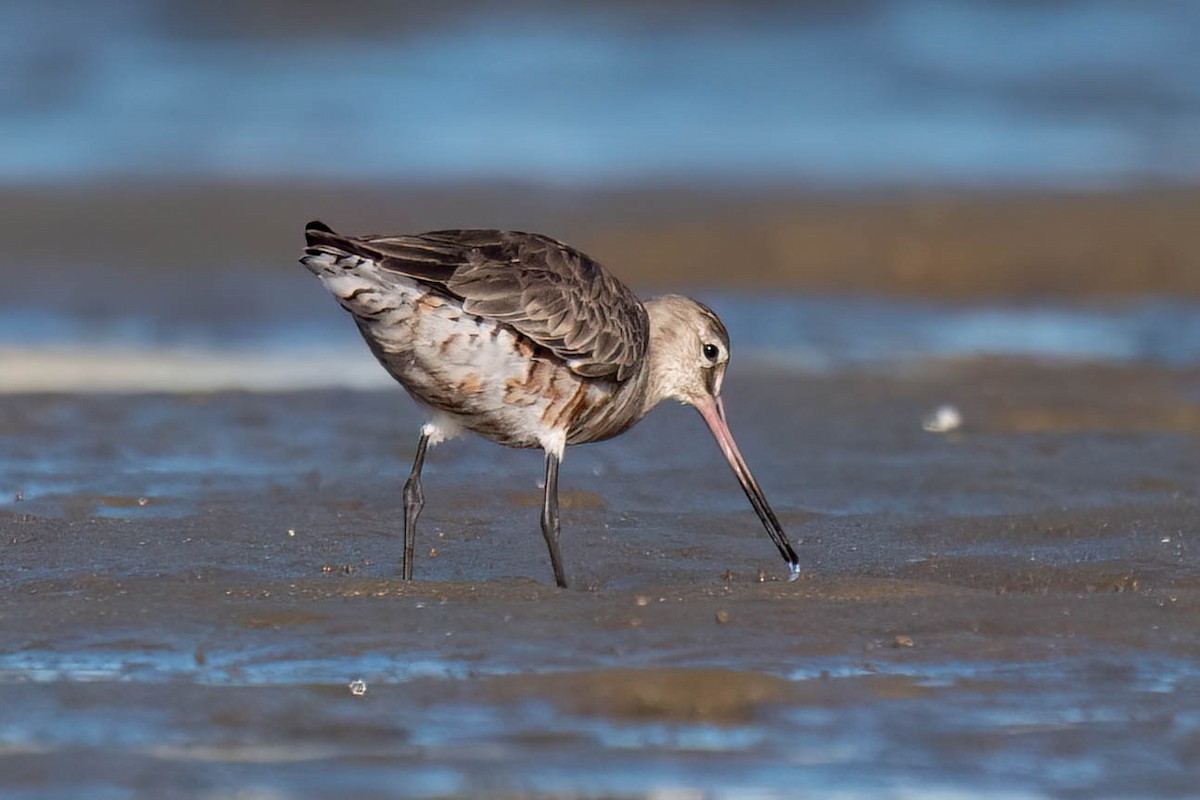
x=76 y=368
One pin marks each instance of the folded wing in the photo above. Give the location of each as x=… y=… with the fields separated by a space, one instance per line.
x=550 y=292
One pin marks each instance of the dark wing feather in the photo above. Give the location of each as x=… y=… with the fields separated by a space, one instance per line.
x=544 y=289
x=405 y=254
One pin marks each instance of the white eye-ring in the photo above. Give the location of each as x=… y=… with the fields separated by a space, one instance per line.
x=712 y=352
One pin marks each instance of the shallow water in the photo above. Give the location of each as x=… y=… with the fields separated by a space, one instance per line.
x=278 y=331
x=191 y=582
x=846 y=94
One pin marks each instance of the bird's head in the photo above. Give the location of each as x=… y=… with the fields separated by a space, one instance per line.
x=689 y=351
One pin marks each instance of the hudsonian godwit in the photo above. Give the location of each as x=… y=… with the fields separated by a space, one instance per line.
x=527 y=342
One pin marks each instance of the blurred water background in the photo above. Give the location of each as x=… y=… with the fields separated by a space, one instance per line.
x=809 y=98
x=864 y=93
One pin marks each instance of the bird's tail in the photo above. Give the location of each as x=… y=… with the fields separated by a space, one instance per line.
x=350 y=271
x=328 y=251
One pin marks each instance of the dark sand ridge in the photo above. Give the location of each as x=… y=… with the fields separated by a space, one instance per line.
x=932 y=243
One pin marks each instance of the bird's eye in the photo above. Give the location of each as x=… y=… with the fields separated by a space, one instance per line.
x=711 y=351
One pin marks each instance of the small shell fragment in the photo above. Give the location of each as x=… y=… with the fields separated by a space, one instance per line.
x=358 y=688
x=943 y=419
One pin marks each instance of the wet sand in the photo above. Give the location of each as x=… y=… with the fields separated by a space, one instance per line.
x=191 y=583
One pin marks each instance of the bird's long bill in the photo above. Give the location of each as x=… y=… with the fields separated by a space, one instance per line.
x=713 y=411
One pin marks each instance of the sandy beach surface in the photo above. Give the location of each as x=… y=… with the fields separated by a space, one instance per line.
x=198 y=564
x=191 y=583
x=951 y=244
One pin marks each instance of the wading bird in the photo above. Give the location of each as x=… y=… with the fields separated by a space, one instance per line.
x=527 y=342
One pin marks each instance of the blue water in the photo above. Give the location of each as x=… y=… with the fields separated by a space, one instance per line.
x=831 y=333
x=287 y=344
x=963 y=92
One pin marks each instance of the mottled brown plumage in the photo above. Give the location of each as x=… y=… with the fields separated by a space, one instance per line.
x=527 y=342
x=553 y=294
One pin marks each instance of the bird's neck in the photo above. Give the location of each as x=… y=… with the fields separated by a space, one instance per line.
x=659 y=378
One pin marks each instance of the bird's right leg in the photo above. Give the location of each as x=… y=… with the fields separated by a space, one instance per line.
x=414 y=500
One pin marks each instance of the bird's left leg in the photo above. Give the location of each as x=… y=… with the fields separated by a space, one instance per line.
x=550 y=528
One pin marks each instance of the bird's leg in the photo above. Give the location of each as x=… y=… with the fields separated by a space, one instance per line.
x=414 y=500
x=550 y=518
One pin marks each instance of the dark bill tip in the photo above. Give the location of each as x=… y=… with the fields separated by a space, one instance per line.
x=713 y=412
